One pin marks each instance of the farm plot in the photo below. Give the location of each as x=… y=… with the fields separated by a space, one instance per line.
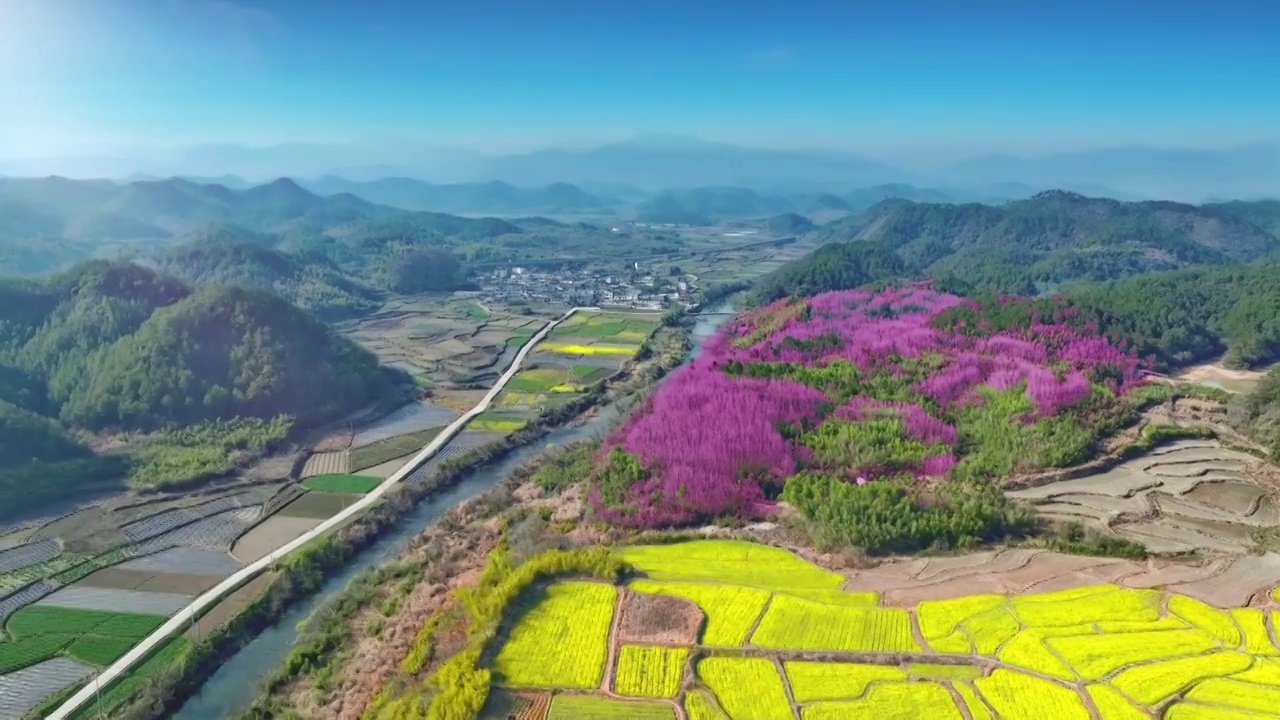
x=562 y=642
x=731 y=561
x=39 y=633
x=215 y=532
x=391 y=448
x=185 y=560
x=271 y=534
x=14 y=602
x=893 y=701
x=1204 y=496
x=29 y=554
x=814 y=681
x=747 y=688
x=502 y=422
x=350 y=484
x=327 y=463
x=23 y=690
x=578 y=707
x=178 y=583
x=650 y=671
x=731 y=611
x=1029 y=655
x=79 y=597
x=792 y=623
x=414 y=417
x=317 y=505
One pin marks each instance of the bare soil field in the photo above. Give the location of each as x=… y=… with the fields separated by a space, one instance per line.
x=270 y=534
x=658 y=620
x=327 y=463
x=121 y=579
x=1223 y=378
x=1191 y=495
x=1224 y=583
x=443 y=342
x=386 y=469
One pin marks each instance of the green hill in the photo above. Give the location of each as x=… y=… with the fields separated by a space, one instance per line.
x=1029 y=246
x=221 y=373
x=311 y=282
x=48 y=224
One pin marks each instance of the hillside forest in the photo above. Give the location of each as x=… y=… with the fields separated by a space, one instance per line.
x=201 y=373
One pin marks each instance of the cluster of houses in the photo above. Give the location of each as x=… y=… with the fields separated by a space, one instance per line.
x=631 y=288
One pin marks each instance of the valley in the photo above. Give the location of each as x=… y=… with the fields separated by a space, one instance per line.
x=1038 y=449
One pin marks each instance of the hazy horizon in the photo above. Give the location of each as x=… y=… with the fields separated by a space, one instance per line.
x=908 y=81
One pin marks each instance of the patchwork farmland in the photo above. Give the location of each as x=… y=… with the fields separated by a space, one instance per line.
x=153 y=555
x=1018 y=634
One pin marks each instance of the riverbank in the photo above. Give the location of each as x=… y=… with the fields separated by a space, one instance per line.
x=310 y=570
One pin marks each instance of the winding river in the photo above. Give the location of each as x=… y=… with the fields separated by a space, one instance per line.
x=234 y=686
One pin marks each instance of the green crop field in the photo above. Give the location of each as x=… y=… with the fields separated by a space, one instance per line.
x=391 y=448
x=768 y=615
x=39 y=632
x=350 y=484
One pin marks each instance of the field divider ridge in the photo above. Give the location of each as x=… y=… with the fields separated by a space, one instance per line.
x=185 y=617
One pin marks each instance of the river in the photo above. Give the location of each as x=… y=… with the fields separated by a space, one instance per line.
x=234 y=686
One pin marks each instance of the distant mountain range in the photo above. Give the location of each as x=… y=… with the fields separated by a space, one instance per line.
x=657 y=162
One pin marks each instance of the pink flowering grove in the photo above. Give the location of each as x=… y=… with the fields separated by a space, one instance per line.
x=853 y=384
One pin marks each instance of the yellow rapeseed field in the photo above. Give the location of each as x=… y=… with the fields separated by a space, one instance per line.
x=571 y=349
x=939 y=618
x=747 y=688
x=1028 y=650
x=731 y=610
x=1207 y=618
x=1257 y=638
x=701 y=707
x=1112 y=705
x=813 y=681
x=896 y=701
x=792 y=623
x=1098 y=603
x=1093 y=657
x=1239 y=695
x=991 y=630
x=1154 y=683
x=650 y=671
x=563 y=641
x=977 y=708
x=731 y=561
x=1015 y=696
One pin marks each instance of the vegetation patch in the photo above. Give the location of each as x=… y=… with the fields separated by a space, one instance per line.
x=351 y=484
x=497 y=422
x=650 y=671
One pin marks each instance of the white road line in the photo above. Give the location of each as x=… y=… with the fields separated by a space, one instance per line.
x=184 y=618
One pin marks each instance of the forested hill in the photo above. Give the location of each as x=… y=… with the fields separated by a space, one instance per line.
x=310 y=281
x=114 y=345
x=1034 y=245
x=1184 y=283
x=48 y=223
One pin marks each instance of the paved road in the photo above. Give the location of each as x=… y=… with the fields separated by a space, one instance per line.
x=185 y=616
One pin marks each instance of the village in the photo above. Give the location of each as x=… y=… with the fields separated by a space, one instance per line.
x=635 y=287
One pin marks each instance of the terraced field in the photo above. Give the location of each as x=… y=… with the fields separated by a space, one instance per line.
x=1191 y=495
x=1016 y=635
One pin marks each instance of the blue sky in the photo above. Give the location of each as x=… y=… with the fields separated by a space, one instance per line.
x=869 y=75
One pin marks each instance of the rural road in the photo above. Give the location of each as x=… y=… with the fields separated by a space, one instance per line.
x=187 y=615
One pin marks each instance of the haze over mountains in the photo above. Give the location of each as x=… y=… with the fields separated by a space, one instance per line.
x=651 y=163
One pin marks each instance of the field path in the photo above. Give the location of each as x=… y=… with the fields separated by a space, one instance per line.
x=185 y=617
